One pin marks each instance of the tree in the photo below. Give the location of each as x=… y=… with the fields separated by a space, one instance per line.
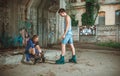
x=92 y=9
x=74 y=22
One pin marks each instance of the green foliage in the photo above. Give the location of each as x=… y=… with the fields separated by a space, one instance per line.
x=74 y=22
x=72 y=13
x=84 y=17
x=91 y=1
x=89 y=17
x=110 y=44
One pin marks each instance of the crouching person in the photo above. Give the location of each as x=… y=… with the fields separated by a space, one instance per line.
x=33 y=51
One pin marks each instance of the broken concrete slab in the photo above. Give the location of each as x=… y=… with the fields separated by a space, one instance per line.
x=15 y=59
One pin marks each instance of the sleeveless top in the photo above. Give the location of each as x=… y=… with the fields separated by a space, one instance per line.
x=69 y=32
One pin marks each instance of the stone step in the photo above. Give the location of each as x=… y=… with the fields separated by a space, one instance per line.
x=16 y=58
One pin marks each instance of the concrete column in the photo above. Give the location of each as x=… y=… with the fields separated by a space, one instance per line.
x=13 y=17
x=52 y=27
x=42 y=26
x=45 y=30
x=29 y=9
x=34 y=20
x=60 y=20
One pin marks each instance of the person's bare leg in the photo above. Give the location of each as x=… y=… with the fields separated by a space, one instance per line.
x=72 y=49
x=63 y=49
x=32 y=51
x=73 y=59
x=61 y=60
x=38 y=48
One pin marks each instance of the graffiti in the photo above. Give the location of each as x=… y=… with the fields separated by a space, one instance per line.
x=27 y=25
x=8 y=41
x=22 y=30
x=20 y=39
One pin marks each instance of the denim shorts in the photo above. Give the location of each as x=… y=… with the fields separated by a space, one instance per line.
x=67 y=40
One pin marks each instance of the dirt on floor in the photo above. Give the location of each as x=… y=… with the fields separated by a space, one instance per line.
x=92 y=60
x=77 y=45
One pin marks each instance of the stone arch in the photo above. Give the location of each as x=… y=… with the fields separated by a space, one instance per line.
x=39 y=14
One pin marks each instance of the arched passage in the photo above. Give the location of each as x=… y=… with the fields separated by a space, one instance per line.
x=43 y=16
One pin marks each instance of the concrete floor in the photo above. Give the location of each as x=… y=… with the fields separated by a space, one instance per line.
x=90 y=63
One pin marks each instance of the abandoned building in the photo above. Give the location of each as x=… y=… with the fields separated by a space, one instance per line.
x=40 y=17
x=107 y=22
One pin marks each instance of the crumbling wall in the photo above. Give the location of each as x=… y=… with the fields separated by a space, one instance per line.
x=11 y=23
x=108 y=33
